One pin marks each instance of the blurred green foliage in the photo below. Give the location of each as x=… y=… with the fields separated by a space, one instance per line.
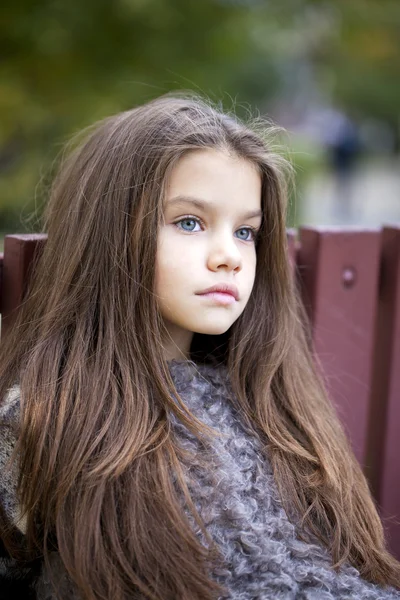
x=66 y=64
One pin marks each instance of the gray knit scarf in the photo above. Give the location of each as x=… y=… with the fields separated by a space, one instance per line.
x=238 y=501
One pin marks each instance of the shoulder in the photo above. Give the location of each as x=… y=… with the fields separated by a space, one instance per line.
x=9 y=420
x=10 y=406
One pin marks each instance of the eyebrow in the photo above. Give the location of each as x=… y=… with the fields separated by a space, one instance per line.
x=202 y=205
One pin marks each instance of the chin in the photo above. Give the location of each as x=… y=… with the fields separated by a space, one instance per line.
x=213 y=329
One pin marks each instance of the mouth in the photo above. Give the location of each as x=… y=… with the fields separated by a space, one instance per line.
x=222 y=298
x=222 y=290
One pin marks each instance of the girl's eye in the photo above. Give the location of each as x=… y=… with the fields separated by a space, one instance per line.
x=190 y=220
x=187 y=220
x=250 y=230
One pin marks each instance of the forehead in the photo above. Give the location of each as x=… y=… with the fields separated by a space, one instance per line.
x=214 y=180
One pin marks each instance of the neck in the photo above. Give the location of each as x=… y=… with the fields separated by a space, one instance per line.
x=177 y=343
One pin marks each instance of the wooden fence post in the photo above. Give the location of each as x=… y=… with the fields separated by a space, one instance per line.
x=339 y=270
x=19 y=253
x=383 y=454
x=1 y=279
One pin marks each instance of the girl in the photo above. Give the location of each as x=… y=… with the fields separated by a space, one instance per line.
x=171 y=438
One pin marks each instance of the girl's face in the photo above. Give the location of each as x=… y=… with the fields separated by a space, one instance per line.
x=212 y=212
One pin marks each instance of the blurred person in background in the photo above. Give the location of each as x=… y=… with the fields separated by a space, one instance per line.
x=342 y=141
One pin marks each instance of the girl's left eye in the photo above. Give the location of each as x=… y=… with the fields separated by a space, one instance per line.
x=186 y=220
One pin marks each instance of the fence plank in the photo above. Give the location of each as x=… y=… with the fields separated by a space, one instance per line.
x=338 y=270
x=383 y=447
x=1 y=278
x=19 y=252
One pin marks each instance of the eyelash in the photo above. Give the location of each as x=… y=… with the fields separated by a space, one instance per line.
x=253 y=230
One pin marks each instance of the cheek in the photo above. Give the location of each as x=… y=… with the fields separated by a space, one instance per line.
x=250 y=276
x=251 y=265
x=173 y=264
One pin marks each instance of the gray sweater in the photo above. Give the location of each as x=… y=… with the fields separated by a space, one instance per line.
x=263 y=558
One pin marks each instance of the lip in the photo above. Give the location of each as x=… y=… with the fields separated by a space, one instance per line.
x=223 y=288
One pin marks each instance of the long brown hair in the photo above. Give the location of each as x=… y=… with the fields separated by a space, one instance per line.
x=100 y=471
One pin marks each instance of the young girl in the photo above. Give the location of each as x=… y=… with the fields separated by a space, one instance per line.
x=169 y=434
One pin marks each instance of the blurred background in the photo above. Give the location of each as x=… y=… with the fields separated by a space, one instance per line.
x=327 y=71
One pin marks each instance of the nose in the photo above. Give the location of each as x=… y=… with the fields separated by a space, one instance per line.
x=224 y=252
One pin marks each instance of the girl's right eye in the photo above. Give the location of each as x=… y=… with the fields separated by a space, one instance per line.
x=187 y=220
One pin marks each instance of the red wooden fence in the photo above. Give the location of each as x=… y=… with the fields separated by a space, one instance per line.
x=350 y=283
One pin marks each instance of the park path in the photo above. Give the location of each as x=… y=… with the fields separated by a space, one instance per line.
x=370 y=199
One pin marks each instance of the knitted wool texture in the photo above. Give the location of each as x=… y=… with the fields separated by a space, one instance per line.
x=237 y=499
